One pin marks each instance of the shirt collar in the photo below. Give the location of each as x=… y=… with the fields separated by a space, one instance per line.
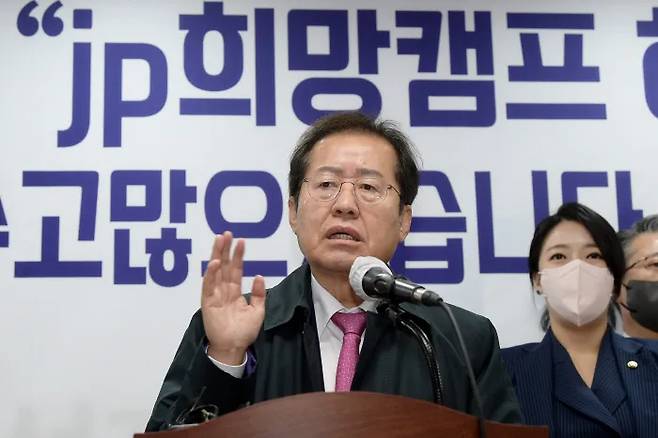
x=325 y=305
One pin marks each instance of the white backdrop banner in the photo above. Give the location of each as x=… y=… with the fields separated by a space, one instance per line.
x=133 y=131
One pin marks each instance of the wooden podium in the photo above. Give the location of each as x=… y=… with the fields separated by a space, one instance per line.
x=347 y=414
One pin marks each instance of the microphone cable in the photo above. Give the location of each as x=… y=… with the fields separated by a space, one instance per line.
x=469 y=369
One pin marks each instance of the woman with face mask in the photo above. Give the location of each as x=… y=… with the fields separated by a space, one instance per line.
x=582 y=379
x=639 y=293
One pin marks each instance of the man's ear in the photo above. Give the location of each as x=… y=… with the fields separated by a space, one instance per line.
x=623 y=290
x=405 y=222
x=292 y=214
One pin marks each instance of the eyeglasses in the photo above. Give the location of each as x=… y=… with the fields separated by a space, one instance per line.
x=366 y=190
x=649 y=263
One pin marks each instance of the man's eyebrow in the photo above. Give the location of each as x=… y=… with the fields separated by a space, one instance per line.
x=330 y=169
x=362 y=171
x=648 y=256
x=369 y=172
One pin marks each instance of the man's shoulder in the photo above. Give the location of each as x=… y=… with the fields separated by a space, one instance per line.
x=296 y=279
x=468 y=321
x=475 y=329
x=196 y=324
x=285 y=299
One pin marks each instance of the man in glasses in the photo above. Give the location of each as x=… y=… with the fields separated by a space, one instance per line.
x=352 y=181
x=639 y=293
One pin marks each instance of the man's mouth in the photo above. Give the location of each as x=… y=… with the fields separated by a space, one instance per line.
x=343 y=233
x=341 y=236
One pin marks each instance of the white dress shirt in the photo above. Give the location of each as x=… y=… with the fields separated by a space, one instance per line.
x=329 y=335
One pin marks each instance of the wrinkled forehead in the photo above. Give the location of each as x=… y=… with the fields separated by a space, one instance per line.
x=643 y=245
x=353 y=154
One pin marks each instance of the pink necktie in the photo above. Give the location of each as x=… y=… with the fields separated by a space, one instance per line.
x=352 y=325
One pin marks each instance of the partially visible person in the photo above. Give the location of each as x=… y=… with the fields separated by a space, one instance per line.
x=583 y=379
x=638 y=299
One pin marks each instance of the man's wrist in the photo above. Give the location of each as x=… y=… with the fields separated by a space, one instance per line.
x=236 y=371
x=234 y=357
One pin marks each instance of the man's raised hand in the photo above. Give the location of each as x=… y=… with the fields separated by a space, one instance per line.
x=230 y=322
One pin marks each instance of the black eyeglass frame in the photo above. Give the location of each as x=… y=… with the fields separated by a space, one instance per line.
x=643 y=259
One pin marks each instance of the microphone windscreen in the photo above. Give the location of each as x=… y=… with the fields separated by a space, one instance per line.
x=358 y=270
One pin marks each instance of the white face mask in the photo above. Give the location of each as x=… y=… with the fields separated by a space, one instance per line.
x=578 y=291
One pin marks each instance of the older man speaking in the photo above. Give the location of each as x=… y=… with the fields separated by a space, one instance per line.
x=352 y=181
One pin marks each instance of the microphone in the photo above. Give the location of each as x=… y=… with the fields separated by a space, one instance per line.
x=372 y=279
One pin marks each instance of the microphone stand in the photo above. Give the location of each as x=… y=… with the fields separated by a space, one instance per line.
x=384 y=285
x=401 y=318
x=406 y=320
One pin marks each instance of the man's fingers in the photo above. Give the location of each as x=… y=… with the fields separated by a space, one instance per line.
x=222 y=281
x=237 y=263
x=221 y=287
x=258 y=293
x=217 y=247
x=208 y=284
x=209 y=277
x=226 y=256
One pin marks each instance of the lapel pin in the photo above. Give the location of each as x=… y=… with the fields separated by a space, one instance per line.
x=631 y=364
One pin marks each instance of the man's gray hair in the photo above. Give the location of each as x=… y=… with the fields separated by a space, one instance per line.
x=648 y=224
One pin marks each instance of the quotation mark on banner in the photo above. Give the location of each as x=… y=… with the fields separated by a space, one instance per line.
x=52 y=25
x=4 y=235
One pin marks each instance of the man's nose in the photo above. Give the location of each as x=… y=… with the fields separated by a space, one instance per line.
x=346 y=202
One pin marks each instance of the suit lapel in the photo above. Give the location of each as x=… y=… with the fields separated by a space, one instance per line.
x=290 y=303
x=312 y=353
x=608 y=386
x=536 y=367
x=572 y=391
x=641 y=381
x=375 y=328
x=311 y=341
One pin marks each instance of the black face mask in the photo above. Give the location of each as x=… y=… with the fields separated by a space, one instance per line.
x=642 y=303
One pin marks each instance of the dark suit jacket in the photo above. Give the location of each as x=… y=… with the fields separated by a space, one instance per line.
x=287 y=353
x=622 y=402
